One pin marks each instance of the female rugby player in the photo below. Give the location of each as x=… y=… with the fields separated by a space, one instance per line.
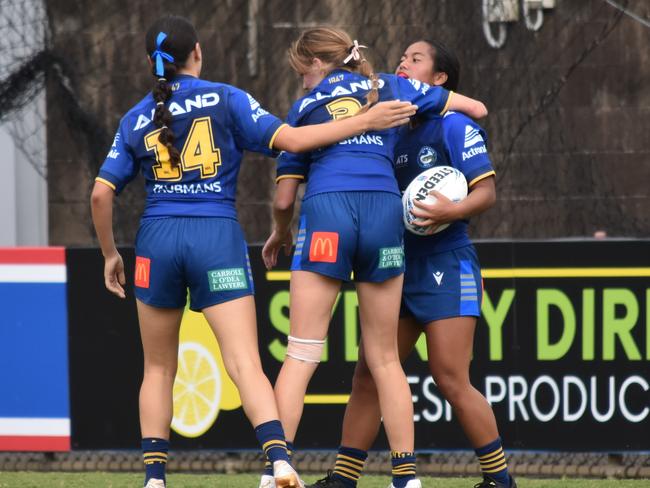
x=442 y=281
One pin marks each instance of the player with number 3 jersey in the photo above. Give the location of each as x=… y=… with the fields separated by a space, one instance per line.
x=350 y=222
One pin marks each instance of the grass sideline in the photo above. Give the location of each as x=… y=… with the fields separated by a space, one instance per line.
x=128 y=480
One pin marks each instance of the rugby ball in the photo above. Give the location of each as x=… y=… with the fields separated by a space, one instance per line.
x=445 y=179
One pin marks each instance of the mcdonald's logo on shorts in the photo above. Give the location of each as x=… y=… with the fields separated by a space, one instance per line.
x=142 y=272
x=324 y=247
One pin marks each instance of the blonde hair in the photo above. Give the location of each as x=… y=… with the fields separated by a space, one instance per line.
x=332 y=46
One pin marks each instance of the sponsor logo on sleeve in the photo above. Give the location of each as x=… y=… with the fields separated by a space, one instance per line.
x=472 y=138
x=419 y=86
x=256 y=109
x=114 y=153
x=254 y=103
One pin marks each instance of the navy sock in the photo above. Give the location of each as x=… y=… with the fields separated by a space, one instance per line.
x=154 y=452
x=270 y=435
x=493 y=461
x=403 y=468
x=349 y=464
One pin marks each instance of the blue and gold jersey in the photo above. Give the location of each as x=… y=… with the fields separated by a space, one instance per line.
x=453 y=140
x=360 y=163
x=213 y=124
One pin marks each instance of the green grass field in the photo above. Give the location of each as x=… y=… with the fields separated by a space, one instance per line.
x=128 y=480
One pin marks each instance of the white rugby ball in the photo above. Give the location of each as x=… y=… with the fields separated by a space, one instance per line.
x=445 y=179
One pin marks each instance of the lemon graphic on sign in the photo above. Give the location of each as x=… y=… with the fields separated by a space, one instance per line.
x=202 y=387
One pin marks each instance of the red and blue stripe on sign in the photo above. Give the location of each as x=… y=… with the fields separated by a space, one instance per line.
x=35 y=410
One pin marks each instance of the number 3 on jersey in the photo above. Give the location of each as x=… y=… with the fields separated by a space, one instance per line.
x=199 y=152
x=344 y=107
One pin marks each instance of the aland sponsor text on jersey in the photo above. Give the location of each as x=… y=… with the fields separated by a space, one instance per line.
x=363 y=162
x=213 y=124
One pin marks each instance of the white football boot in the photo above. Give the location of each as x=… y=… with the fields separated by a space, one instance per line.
x=285 y=476
x=411 y=484
x=155 y=483
x=267 y=481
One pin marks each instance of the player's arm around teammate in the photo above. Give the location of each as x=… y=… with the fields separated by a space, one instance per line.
x=189 y=213
x=340 y=231
x=435 y=281
x=383 y=115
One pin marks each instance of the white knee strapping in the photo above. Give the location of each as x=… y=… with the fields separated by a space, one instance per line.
x=308 y=350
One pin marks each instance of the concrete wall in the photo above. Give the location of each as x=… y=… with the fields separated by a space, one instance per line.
x=570 y=104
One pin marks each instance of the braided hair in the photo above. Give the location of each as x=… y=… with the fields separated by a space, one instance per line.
x=169 y=42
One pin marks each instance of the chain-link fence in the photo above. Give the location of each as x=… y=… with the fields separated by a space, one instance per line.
x=23 y=37
x=569 y=104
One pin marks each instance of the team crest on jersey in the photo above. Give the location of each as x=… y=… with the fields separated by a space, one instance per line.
x=427 y=157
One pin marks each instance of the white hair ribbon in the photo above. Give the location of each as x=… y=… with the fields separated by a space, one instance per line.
x=354 y=52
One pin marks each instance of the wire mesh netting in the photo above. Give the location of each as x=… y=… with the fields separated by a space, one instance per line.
x=23 y=34
x=569 y=105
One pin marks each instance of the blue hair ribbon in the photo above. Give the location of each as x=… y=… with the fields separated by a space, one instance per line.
x=158 y=55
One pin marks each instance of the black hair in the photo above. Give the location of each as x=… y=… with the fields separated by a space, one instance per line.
x=445 y=61
x=179 y=43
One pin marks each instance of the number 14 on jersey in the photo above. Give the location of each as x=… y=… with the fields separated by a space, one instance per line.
x=199 y=153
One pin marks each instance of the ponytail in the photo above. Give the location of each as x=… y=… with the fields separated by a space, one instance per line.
x=365 y=69
x=162 y=117
x=170 y=40
x=360 y=64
